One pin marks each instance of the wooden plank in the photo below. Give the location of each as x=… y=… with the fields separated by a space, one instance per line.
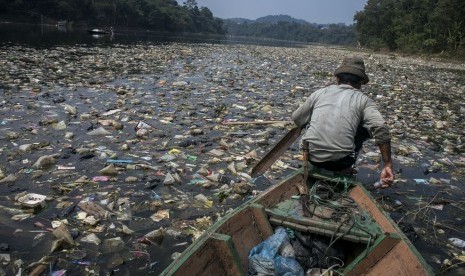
x=319 y=231
x=327 y=225
x=362 y=197
x=216 y=256
x=227 y=254
x=240 y=222
x=276 y=152
x=261 y=220
x=245 y=234
x=376 y=252
x=400 y=262
x=368 y=204
x=200 y=262
x=281 y=191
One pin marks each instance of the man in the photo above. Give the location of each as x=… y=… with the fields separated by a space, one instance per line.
x=340 y=118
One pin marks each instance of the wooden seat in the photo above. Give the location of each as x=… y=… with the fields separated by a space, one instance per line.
x=289 y=214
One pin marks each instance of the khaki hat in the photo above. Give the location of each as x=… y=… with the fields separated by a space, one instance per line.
x=354 y=66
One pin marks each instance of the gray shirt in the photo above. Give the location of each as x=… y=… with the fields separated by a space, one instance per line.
x=334 y=113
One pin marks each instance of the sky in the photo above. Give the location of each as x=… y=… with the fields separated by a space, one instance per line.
x=313 y=11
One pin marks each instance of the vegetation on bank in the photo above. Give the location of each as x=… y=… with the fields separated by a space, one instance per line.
x=156 y=15
x=408 y=26
x=413 y=26
x=288 y=28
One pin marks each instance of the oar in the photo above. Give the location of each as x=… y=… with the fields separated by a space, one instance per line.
x=265 y=163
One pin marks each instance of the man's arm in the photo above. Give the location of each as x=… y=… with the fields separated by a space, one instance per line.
x=387 y=176
x=375 y=123
x=303 y=114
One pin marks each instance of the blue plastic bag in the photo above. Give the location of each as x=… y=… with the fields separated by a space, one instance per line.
x=265 y=260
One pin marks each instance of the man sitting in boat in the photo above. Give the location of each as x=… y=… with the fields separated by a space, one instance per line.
x=340 y=118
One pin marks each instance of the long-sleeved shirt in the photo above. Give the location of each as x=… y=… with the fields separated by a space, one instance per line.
x=334 y=113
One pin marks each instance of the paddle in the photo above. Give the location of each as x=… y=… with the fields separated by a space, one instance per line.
x=265 y=163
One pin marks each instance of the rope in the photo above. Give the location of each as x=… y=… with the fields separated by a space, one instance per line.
x=323 y=194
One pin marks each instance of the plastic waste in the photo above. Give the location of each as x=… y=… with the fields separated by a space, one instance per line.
x=169 y=179
x=205 y=202
x=155 y=236
x=142 y=132
x=36 y=107
x=98 y=131
x=125 y=212
x=457 y=242
x=100 y=178
x=161 y=214
x=109 y=170
x=63 y=237
x=32 y=200
x=91 y=238
x=287 y=266
x=9 y=178
x=5 y=258
x=265 y=260
x=45 y=161
x=286 y=249
x=142 y=125
x=421 y=181
x=120 y=161
x=225 y=179
x=112 y=245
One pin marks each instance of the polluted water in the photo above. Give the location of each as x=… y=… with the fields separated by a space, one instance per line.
x=113 y=159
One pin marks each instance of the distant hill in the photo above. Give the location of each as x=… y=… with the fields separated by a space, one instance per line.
x=239 y=20
x=269 y=19
x=285 y=27
x=274 y=19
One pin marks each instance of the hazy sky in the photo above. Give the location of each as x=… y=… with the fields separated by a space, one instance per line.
x=313 y=11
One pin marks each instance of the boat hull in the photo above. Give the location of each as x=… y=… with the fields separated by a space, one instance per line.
x=224 y=248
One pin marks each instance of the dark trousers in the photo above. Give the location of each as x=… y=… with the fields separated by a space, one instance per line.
x=341 y=164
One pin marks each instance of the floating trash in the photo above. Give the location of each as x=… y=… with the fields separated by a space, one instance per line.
x=457 y=242
x=121 y=140
x=32 y=200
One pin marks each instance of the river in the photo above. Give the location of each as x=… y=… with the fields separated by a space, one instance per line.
x=59 y=85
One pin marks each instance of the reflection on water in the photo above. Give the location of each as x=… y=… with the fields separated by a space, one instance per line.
x=43 y=36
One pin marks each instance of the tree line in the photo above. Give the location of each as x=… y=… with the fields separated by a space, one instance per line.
x=156 y=15
x=413 y=26
x=338 y=34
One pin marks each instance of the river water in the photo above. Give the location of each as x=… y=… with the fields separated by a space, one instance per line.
x=58 y=85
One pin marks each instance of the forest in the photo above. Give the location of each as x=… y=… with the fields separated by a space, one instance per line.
x=409 y=26
x=337 y=34
x=155 y=15
x=413 y=26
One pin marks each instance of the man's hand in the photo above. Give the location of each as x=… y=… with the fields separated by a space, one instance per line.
x=387 y=177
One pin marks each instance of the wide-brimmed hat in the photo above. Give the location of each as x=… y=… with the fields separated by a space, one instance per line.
x=354 y=66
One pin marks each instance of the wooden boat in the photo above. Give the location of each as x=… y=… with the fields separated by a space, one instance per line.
x=100 y=31
x=224 y=248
